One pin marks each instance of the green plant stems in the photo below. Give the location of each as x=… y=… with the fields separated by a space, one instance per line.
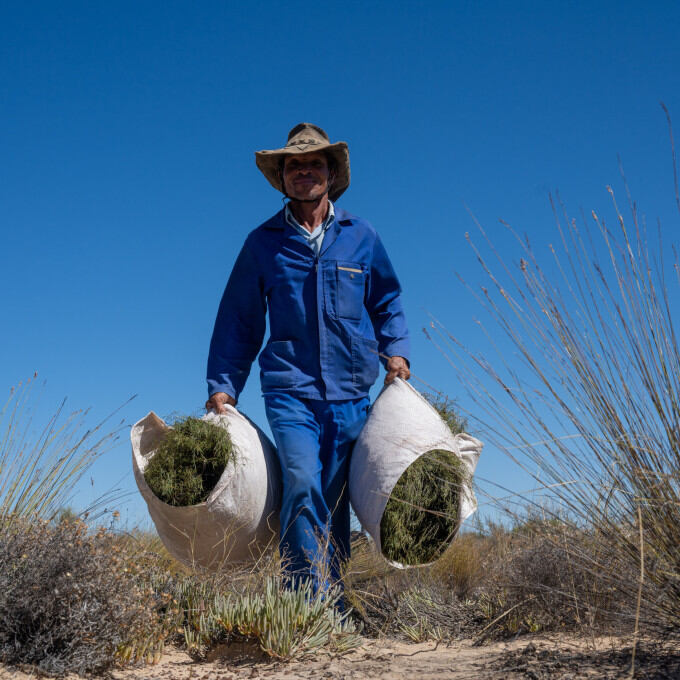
x=189 y=462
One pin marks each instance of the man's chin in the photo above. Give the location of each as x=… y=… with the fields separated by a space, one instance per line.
x=307 y=196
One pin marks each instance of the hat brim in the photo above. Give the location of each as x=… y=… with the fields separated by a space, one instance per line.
x=268 y=163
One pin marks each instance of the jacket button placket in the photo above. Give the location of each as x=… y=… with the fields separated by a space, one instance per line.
x=323 y=344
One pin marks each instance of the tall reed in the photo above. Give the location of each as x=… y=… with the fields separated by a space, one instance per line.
x=588 y=397
x=43 y=458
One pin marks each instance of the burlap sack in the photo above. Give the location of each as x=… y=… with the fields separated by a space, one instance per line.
x=400 y=428
x=239 y=518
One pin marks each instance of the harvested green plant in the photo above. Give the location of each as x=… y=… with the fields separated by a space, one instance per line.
x=189 y=462
x=423 y=510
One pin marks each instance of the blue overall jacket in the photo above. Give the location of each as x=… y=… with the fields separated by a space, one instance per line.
x=330 y=317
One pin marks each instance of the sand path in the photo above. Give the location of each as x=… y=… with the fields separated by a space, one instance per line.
x=536 y=658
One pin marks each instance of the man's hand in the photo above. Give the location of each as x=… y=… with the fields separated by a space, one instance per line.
x=397 y=368
x=218 y=401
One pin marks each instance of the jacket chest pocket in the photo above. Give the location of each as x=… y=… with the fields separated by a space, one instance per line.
x=350 y=285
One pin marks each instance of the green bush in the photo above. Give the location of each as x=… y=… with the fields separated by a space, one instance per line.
x=288 y=623
x=285 y=623
x=189 y=462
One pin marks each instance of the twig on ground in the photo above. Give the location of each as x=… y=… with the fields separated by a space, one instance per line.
x=482 y=635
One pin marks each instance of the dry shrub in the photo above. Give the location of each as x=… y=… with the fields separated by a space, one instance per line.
x=541 y=576
x=548 y=575
x=189 y=462
x=414 y=604
x=71 y=601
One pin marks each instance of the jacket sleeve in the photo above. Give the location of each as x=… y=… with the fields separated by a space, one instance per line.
x=239 y=327
x=383 y=302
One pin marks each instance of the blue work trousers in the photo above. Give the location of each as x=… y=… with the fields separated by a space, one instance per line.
x=314 y=439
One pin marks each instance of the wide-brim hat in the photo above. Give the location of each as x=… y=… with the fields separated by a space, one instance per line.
x=306 y=138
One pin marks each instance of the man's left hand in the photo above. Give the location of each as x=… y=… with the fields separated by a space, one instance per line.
x=397 y=367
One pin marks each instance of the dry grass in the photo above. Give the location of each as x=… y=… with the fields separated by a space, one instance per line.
x=542 y=576
x=458 y=570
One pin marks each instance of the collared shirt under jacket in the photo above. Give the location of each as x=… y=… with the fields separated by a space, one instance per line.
x=314 y=238
x=329 y=315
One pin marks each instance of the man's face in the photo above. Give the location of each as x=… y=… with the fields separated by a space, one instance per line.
x=306 y=175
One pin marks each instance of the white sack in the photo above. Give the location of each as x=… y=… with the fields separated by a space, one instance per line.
x=401 y=426
x=240 y=516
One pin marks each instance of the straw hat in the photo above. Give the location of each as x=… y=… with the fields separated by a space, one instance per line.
x=306 y=138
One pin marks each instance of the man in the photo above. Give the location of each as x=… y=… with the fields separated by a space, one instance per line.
x=334 y=310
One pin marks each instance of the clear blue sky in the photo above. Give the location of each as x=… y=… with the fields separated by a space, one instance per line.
x=128 y=182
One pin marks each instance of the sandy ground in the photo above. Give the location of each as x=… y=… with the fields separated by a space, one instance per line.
x=536 y=658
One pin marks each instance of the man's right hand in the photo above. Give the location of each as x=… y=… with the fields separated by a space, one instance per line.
x=218 y=401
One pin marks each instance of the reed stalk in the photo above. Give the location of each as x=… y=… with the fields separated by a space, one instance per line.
x=40 y=464
x=583 y=388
